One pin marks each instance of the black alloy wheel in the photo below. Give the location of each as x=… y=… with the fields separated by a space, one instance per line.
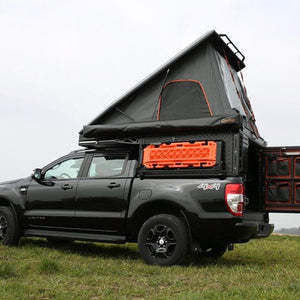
x=163 y=240
x=3 y=227
x=9 y=231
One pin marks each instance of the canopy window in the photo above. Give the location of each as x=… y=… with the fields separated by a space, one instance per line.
x=183 y=99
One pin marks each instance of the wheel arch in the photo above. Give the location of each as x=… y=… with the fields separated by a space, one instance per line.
x=6 y=202
x=148 y=210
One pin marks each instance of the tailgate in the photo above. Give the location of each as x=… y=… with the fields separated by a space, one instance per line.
x=281 y=179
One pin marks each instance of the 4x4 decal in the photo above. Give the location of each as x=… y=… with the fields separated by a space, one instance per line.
x=209 y=186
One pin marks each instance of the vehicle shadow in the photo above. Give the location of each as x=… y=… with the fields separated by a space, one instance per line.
x=130 y=252
x=88 y=249
x=229 y=261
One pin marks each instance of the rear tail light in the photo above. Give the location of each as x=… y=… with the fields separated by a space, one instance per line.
x=234 y=198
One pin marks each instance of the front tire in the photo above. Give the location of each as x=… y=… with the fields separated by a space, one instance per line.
x=163 y=240
x=9 y=232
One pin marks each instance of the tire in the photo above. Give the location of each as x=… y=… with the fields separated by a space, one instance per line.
x=215 y=251
x=163 y=240
x=9 y=231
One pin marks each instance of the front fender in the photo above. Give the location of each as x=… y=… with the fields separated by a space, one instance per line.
x=11 y=193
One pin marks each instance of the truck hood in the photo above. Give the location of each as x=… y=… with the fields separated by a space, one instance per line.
x=11 y=181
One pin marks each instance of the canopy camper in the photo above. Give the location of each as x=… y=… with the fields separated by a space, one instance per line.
x=192 y=118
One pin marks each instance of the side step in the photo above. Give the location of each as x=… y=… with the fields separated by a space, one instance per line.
x=115 y=239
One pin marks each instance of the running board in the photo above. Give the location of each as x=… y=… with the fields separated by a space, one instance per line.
x=115 y=239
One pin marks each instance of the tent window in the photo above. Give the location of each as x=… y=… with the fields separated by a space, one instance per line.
x=183 y=99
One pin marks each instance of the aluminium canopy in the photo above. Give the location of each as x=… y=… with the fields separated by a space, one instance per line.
x=199 y=88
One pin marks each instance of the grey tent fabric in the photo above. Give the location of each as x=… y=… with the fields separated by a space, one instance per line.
x=155 y=99
x=230 y=90
x=142 y=105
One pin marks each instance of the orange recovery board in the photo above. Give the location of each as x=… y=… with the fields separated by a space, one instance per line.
x=181 y=155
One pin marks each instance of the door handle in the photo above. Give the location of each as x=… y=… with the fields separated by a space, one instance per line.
x=67 y=187
x=113 y=185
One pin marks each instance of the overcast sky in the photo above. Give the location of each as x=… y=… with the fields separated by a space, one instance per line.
x=63 y=62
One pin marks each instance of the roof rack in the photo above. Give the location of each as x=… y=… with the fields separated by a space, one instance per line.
x=232 y=46
x=77 y=151
x=96 y=144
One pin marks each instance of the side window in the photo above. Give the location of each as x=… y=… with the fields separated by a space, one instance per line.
x=67 y=169
x=106 y=166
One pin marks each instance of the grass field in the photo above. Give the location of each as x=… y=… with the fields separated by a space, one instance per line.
x=261 y=269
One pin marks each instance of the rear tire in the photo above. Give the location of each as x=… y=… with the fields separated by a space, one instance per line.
x=163 y=240
x=9 y=231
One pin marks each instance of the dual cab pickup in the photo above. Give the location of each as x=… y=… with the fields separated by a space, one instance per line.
x=95 y=195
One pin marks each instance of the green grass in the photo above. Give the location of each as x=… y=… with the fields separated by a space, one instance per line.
x=48 y=266
x=261 y=269
x=6 y=270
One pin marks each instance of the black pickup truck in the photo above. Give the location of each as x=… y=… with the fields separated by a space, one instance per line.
x=176 y=164
x=98 y=196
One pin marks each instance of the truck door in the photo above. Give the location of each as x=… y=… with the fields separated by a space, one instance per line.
x=51 y=201
x=102 y=194
x=281 y=179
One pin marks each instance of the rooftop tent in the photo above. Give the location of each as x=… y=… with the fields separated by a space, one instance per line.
x=196 y=89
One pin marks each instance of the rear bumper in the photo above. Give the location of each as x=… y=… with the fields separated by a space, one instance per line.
x=251 y=230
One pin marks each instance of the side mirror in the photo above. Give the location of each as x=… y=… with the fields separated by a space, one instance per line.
x=36 y=174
